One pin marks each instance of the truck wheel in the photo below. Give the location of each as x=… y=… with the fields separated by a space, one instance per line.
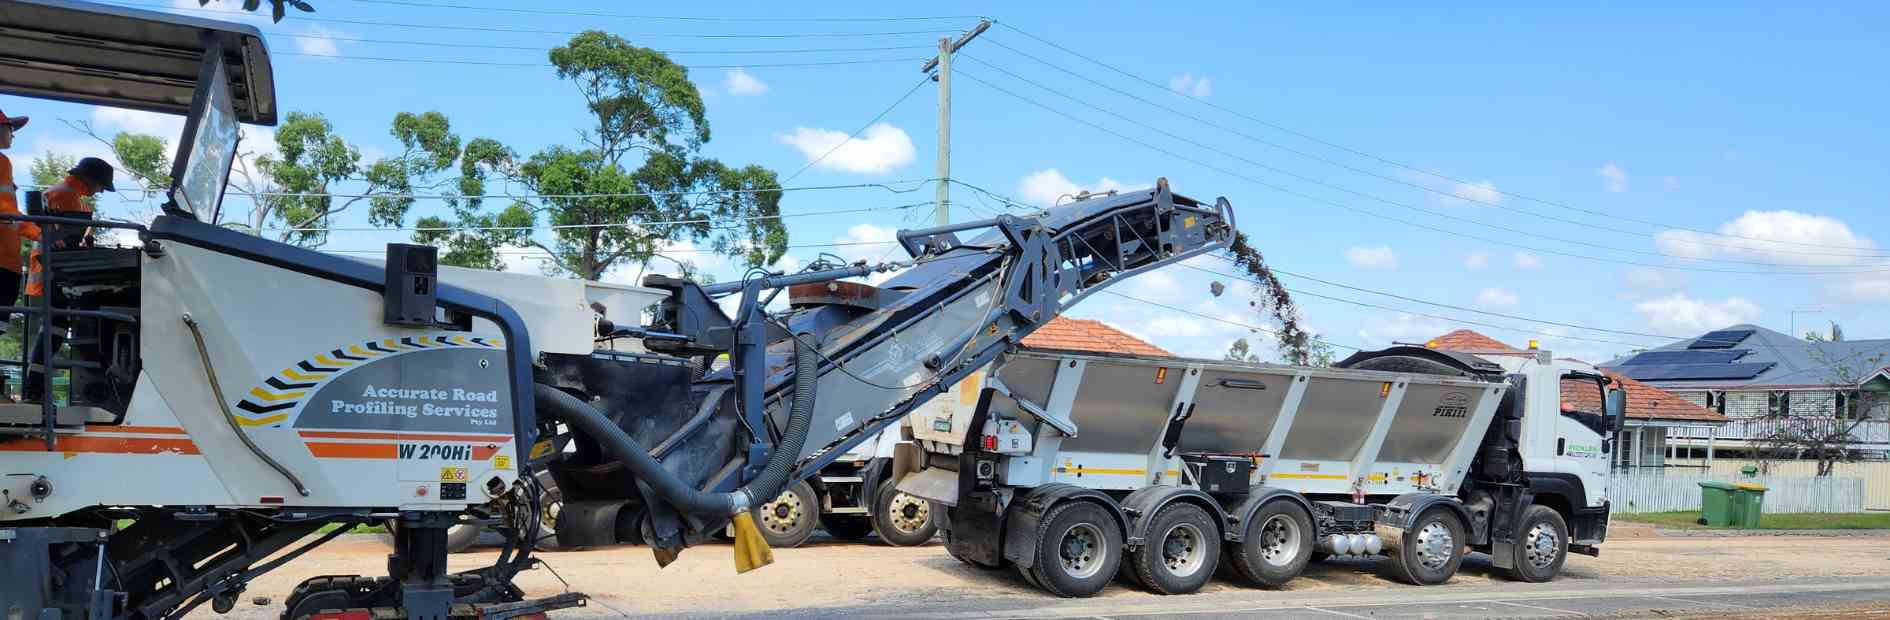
x=1432 y=549
x=1183 y=548
x=551 y=503
x=1079 y=549
x=1277 y=546
x=902 y=519
x=789 y=520
x=846 y=527
x=1543 y=545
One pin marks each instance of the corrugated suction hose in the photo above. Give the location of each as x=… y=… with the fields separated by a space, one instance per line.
x=751 y=551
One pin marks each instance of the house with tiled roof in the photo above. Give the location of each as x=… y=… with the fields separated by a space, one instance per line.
x=1653 y=414
x=1767 y=382
x=1089 y=336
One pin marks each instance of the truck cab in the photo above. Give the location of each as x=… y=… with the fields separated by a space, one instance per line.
x=1567 y=435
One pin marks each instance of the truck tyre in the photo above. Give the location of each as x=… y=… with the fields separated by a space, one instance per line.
x=1277 y=546
x=550 y=503
x=1541 y=545
x=789 y=520
x=847 y=527
x=1079 y=550
x=1182 y=550
x=1432 y=549
x=902 y=519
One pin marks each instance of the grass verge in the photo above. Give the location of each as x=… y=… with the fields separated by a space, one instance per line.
x=1772 y=521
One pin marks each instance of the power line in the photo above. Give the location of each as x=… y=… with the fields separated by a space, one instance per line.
x=1450 y=319
x=836 y=244
x=1347 y=207
x=1440 y=305
x=1222 y=320
x=1334 y=187
x=483 y=63
x=1398 y=164
x=680 y=35
x=571 y=13
x=780 y=216
x=856 y=133
x=917 y=184
x=541 y=48
x=1378 y=175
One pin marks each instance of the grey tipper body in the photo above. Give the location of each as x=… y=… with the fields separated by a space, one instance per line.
x=1409 y=452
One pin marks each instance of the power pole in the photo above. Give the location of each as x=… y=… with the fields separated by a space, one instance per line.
x=941 y=196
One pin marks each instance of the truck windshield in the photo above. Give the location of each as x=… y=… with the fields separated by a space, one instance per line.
x=209 y=143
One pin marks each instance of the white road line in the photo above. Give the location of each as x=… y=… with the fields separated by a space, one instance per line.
x=1694 y=602
x=1539 y=607
x=1338 y=613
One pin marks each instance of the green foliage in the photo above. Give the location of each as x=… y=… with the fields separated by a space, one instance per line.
x=641 y=103
x=49 y=169
x=146 y=157
x=311 y=159
x=1240 y=351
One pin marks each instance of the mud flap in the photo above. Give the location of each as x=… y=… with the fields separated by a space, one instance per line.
x=938 y=485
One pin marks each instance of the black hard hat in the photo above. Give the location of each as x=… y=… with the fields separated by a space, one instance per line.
x=94 y=171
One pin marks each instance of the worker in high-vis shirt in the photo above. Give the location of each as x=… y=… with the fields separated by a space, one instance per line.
x=10 y=264
x=67 y=199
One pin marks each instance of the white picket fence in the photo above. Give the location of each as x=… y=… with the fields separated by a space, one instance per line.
x=1668 y=491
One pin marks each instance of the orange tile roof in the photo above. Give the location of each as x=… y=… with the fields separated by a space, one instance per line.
x=1089 y=336
x=1644 y=401
x=1467 y=341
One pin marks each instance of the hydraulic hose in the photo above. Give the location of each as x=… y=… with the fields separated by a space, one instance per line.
x=685 y=497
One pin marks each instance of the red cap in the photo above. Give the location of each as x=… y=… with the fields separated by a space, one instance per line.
x=16 y=121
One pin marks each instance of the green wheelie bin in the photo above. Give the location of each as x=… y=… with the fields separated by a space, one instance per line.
x=1747 y=498
x=1716 y=503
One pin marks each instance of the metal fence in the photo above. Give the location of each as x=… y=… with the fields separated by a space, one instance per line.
x=1675 y=491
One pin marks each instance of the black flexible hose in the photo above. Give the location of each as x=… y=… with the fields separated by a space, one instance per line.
x=685 y=497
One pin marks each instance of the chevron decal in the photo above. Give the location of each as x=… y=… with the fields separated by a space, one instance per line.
x=269 y=402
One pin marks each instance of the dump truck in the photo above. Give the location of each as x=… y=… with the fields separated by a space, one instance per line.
x=1071 y=467
x=237 y=402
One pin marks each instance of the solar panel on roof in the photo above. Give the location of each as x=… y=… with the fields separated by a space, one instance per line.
x=1722 y=339
x=1686 y=372
x=1688 y=356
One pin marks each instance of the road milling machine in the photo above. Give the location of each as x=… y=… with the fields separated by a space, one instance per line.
x=232 y=398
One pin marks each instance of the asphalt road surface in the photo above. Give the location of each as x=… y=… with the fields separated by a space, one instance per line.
x=1720 y=578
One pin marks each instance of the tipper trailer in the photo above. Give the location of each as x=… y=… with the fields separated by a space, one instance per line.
x=1072 y=467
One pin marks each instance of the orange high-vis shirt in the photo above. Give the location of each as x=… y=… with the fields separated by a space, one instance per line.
x=62 y=199
x=9 y=231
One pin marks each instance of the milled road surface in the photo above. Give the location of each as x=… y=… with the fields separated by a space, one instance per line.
x=1740 y=577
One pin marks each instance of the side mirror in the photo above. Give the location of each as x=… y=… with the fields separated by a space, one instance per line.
x=1616 y=406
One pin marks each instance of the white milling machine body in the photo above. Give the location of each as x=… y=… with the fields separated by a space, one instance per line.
x=233 y=395
x=1282 y=462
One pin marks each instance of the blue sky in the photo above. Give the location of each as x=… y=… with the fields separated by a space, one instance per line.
x=1762 y=123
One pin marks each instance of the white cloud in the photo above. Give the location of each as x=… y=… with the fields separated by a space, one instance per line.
x=880 y=149
x=1525 y=260
x=1380 y=258
x=107 y=121
x=1782 y=236
x=1477 y=261
x=1480 y=192
x=1047 y=187
x=1680 y=314
x=319 y=41
x=742 y=83
x=1616 y=177
x=1650 y=279
x=1496 y=298
x=1188 y=84
x=1380 y=330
